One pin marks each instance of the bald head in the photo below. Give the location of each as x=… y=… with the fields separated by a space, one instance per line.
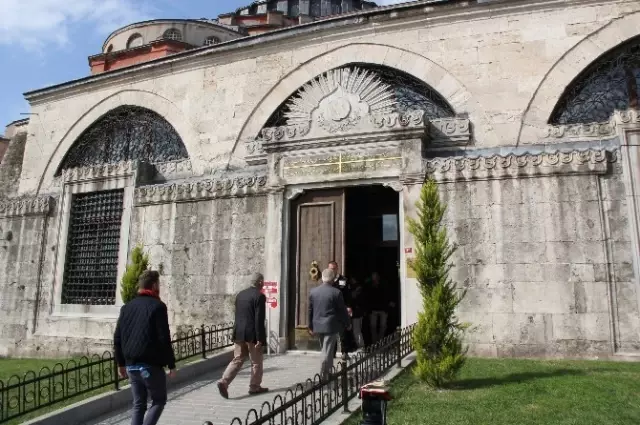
x=257 y=280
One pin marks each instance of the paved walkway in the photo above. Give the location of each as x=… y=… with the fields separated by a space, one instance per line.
x=200 y=401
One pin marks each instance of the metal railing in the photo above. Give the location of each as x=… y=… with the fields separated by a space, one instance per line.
x=59 y=383
x=314 y=401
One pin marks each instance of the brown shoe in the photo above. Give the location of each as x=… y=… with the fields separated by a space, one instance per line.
x=222 y=387
x=258 y=391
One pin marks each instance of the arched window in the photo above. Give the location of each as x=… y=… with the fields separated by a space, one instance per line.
x=124 y=134
x=611 y=82
x=211 y=40
x=406 y=93
x=172 y=34
x=110 y=48
x=134 y=41
x=336 y=7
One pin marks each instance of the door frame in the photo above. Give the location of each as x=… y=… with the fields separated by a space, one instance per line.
x=291 y=193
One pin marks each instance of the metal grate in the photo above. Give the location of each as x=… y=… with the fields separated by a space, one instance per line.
x=124 y=134
x=611 y=82
x=91 y=265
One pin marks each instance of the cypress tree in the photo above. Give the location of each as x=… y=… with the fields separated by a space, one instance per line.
x=139 y=263
x=437 y=337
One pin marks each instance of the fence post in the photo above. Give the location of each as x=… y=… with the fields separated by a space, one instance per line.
x=115 y=373
x=345 y=384
x=399 y=349
x=203 y=342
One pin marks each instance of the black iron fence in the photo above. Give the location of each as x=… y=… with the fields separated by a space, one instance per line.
x=314 y=401
x=52 y=385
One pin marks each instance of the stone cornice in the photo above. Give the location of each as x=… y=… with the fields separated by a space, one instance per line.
x=201 y=190
x=594 y=131
x=375 y=128
x=591 y=161
x=99 y=172
x=18 y=207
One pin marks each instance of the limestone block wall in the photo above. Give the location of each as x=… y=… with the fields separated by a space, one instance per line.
x=546 y=263
x=205 y=250
x=21 y=249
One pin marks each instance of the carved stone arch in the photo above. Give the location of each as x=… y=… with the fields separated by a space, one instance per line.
x=420 y=67
x=568 y=67
x=139 y=98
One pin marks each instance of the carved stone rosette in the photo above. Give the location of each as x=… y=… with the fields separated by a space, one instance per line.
x=591 y=161
x=18 y=207
x=201 y=190
x=597 y=130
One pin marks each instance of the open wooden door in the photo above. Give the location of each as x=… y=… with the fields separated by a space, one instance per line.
x=317 y=234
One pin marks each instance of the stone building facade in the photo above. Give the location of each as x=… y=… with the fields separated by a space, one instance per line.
x=236 y=157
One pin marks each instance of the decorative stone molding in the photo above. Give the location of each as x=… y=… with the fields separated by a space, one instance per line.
x=604 y=130
x=174 y=168
x=293 y=193
x=590 y=161
x=201 y=190
x=396 y=186
x=99 y=172
x=630 y=116
x=449 y=131
x=18 y=207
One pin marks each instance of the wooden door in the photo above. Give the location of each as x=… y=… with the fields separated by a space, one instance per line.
x=317 y=229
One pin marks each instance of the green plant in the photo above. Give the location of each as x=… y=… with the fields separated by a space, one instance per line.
x=437 y=337
x=139 y=263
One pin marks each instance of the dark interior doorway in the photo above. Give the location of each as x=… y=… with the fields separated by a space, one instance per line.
x=359 y=228
x=372 y=244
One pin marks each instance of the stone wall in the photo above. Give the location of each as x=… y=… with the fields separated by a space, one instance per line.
x=206 y=251
x=11 y=165
x=546 y=262
x=23 y=226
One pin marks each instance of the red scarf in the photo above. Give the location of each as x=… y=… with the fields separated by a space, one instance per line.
x=150 y=292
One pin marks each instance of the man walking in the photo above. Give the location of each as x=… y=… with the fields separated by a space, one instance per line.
x=143 y=347
x=340 y=282
x=249 y=335
x=328 y=318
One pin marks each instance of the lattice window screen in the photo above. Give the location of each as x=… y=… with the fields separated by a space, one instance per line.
x=93 y=242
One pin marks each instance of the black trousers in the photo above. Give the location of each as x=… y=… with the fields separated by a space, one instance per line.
x=154 y=386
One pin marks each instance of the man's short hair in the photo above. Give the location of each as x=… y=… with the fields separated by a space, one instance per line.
x=256 y=279
x=333 y=263
x=328 y=275
x=148 y=278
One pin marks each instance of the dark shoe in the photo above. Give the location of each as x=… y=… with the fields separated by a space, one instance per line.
x=222 y=387
x=260 y=390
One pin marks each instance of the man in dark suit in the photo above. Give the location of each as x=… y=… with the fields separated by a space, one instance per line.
x=250 y=337
x=347 y=340
x=328 y=318
x=143 y=348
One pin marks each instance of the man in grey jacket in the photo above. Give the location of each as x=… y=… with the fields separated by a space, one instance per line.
x=328 y=318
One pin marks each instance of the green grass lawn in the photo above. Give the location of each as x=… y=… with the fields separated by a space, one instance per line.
x=522 y=392
x=10 y=367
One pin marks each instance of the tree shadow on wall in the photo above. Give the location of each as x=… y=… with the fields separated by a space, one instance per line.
x=514 y=378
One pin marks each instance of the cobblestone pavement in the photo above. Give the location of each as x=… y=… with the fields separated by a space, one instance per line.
x=200 y=401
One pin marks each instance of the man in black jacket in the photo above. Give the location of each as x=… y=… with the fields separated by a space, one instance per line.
x=249 y=335
x=143 y=348
x=340 y=282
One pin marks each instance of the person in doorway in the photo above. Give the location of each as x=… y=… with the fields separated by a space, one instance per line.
x=379 y=304
x=249 y=336
x=358 y=311
x=341 y=283
x=328 y=318
x=142 y=345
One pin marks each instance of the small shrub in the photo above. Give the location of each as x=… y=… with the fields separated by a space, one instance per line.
x=139 y=263
x=437 y=337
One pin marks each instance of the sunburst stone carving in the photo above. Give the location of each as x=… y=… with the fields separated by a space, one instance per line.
x=339 y=99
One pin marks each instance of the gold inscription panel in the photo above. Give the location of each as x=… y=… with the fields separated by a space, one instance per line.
x=341 y=163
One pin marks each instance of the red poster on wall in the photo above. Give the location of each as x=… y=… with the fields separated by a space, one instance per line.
x=270 y=288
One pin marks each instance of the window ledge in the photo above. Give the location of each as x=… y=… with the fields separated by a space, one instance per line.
x=87 y=311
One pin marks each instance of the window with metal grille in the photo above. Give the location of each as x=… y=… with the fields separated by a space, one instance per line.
x=611 y=82
x=93 y=243
x=173 y=34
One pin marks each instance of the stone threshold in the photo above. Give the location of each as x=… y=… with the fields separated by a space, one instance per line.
x=92 y=408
